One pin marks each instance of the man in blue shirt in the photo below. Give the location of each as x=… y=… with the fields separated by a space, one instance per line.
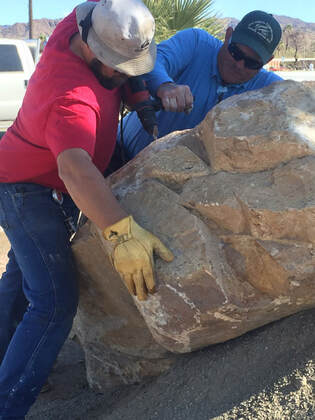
x=194 y=71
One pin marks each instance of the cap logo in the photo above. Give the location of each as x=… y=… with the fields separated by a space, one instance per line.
x=262 y=29
x=143 y=46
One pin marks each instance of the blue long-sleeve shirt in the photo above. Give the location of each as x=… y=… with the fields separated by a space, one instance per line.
x=188 y=58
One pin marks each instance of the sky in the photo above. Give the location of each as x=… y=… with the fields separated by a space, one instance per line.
x=301 y=9
x=17 y=10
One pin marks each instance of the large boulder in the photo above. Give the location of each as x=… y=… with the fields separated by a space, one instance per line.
x=234 y=199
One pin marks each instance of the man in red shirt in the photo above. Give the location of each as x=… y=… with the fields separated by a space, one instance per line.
x=51 y=165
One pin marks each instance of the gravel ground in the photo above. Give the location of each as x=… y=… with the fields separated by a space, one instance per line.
x=298 y=76
x=266 y=374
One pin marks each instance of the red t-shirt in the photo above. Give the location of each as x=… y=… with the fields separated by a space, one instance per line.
x=64 y=107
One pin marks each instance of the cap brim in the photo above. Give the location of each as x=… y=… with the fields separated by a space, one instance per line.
x=243 y=38
x=142 y=64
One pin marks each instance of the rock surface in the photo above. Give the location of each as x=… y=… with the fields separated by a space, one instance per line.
x=234 y=199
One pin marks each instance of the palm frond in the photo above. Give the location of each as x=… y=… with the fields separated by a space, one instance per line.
x=175 y=15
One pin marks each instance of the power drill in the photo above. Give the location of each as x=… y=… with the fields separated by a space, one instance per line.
x=138 y=99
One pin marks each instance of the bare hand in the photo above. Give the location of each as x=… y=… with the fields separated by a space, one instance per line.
x=175 y=98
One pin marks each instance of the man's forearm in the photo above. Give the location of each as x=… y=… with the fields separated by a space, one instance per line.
x=134 y=246
x=88 y=188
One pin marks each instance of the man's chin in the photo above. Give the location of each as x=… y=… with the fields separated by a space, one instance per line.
x=109 y=84
x=233 y=78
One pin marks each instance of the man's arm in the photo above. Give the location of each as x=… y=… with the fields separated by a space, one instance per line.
x=88 y=188
x=173 y=56
x=134 y=246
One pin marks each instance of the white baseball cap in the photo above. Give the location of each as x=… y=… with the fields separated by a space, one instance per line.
x=120 y=34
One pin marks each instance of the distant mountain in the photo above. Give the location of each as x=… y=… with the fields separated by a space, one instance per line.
x=307 y=44
x=46 y=26
x=283 y=20
x=296 y=23
x=20 y=30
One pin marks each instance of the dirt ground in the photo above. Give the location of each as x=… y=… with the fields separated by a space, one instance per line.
x=265 y=374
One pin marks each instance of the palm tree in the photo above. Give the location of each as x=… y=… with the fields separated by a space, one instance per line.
x=30 y=18
x=286 y=33
x=174 y=15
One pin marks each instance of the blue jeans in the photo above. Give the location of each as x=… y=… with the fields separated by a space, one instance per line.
x=38 y=292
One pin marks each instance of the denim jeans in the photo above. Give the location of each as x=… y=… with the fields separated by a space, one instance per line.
x=38 y=292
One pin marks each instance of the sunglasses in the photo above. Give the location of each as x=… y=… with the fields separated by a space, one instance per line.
x=238 y=55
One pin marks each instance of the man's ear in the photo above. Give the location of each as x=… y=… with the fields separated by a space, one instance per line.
x=228 y=35
x=270 y=59
x=87 y=53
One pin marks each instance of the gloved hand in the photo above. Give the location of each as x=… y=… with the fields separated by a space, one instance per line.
x=133 y=255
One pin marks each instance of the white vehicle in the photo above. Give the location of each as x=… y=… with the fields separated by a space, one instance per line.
x=16 y=67
x=34 y=46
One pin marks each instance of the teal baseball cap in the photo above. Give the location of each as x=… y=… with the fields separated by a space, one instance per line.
x=259 y=31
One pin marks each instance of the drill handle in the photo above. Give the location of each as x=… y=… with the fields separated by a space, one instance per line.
x=156 y=103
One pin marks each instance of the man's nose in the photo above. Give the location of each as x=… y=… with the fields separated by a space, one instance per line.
x=240 y=64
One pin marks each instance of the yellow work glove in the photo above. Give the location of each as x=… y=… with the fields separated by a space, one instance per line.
x=133 y=255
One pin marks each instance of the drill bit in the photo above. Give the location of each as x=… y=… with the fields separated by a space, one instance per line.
x=189 y=109
x=155 y=132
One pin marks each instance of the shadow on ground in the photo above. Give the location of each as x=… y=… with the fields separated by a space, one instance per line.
x=267 y=373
